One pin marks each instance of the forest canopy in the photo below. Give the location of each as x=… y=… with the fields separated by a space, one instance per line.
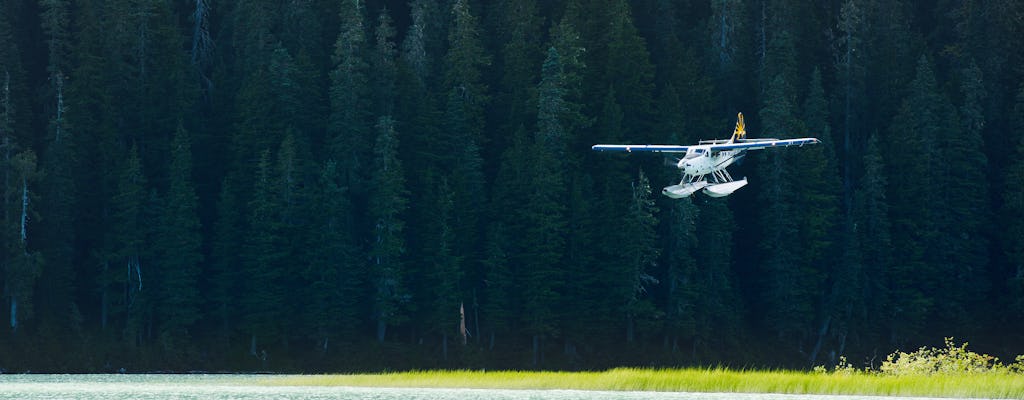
x=321 y=185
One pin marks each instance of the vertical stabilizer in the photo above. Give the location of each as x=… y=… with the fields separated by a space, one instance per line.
x=741 y=129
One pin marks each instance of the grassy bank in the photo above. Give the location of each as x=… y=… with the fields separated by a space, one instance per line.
x=1009 y=385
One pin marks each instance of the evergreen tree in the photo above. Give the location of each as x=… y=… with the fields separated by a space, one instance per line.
x=717 y=307
x=227 y=272
x=179 y=252
x=641 y=254
x=964 y=208
x=464 y=126
x=384 y=65
x=21 y=264
x=443 y=269
x=850 y=98
x=122 y=280
x=818 y=196
x=728 y=29
x=1013 y=214
x=348 y=127
x=873 y=251
x=915 y=189
x=388 y=201
x=791 y=290
x=499 y=288
x=335 y=272
x=627 y=70
x=57 y=303
x=262 y=256
x=516 y=28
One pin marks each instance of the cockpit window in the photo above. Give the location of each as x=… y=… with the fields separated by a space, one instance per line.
x=694 y=153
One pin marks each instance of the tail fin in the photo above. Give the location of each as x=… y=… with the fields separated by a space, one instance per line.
x=741 y=129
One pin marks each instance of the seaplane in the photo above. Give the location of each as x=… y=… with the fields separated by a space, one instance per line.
x=704 y=165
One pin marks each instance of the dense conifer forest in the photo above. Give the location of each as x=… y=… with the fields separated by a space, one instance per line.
x=340 y=185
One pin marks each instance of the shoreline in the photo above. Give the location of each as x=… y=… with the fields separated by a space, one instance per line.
x=706 y=380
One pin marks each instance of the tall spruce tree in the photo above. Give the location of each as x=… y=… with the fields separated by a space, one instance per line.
x=1012 y=214
x=641 y=254
x=790 y=289
x=121 y=281
x=466 y=97
x=818 y=196
x=873 y=251
x=388 y=200
x=262 y=255
x=57 y=303
x=349 y=124
x=178 y=250
x=335 y=272
x=916 y=193
x=226 y=269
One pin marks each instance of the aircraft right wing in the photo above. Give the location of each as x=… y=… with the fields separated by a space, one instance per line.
x=756 y=144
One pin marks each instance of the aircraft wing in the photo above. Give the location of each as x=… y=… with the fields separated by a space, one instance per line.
x=653 y=148
x=756 y=144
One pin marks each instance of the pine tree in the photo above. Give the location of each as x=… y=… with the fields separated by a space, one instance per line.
x=791 y=290
x=516 y=28
x=385 y=69
x=916 y=199
x=348 y=127
x=728 y=30
x=464 y=118
x=641 y=254
x=850 y=98
x=227 y=272
x=122 y=281
x=1013 y=213
x=817 y=195
x=717 y=306
x=388 y=201
x=965 y=208
x=179 y=253
x=873 y=251
x=335 y=272
x=57 y=303
x=628 y=69
x=499 y=289
x=262 y=255
x=443 y=268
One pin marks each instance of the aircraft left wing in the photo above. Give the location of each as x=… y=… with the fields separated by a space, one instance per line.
x=756 y=144
x=653 y=148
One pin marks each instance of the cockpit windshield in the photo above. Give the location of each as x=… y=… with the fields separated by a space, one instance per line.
x=693 y=153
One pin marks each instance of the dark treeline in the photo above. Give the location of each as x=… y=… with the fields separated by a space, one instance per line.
x=315 y=185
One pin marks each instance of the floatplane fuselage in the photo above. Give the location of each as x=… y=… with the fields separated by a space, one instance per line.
x=703 y=165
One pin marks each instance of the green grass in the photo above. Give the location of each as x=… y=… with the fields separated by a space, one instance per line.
x=994 y=385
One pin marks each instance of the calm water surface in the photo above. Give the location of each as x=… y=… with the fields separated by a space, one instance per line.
x=245 y=387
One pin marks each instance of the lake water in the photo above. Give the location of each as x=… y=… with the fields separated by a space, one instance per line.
x=245 y=387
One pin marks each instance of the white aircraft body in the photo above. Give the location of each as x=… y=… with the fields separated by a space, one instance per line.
x=704 y=164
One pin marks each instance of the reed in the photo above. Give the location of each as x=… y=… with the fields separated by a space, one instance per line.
x=995 y=385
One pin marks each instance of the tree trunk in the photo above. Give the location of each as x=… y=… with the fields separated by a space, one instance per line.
x=444 y=346
x=14 y=313
x=536 y=348
x=821 y=338
x=103 y=300
x=382 y=329
x=629 y=329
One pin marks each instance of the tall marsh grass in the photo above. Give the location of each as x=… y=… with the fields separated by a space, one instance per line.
x=1006 y=385
x=952 y=371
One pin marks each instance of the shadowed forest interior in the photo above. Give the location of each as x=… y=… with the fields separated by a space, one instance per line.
x=350 y=185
